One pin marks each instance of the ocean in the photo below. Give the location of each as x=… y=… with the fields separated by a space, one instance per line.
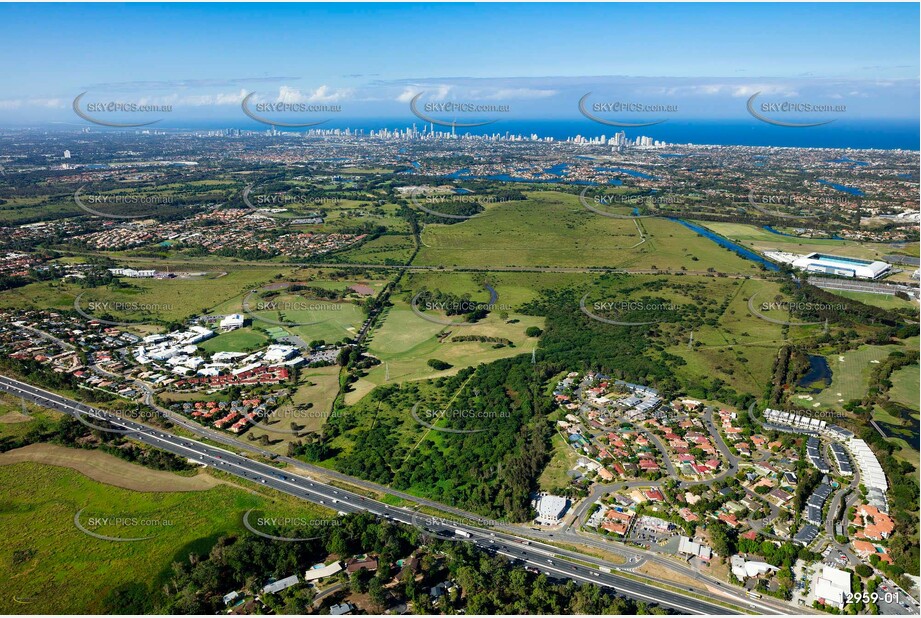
x=852 y=134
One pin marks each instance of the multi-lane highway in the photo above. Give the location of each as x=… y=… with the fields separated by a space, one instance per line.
x=546 y=558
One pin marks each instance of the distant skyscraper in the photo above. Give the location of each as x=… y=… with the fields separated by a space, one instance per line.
x=66 y=154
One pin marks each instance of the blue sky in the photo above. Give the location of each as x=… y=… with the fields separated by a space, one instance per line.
x=537 y=59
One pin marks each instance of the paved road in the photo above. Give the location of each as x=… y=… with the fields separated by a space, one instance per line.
x=545 y=557
x=874 y=287
x=200 y=265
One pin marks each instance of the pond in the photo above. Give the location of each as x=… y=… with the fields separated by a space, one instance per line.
x=818 y=378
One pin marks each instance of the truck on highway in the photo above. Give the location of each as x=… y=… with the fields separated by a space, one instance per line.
x=463 y=533
x=604 y=569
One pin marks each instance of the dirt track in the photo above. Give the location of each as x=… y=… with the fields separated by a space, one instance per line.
x=108 y=469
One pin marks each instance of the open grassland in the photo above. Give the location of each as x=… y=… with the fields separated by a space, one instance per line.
x=906 y=386
x=160 y=300
x=902 y=436
x=299 y=313
x=739 y=348
x=60 y=202
x=554 y=229
x=563 y=459
x=884 y=301
x=513 y=289
x=762 y=240
x=107 y=469
x=308 y=408
x=332 y=324
x=304 y=317
x=351 y=214
x=17 y=420
x=49 y=566
x=405 y=342
x=389 y=249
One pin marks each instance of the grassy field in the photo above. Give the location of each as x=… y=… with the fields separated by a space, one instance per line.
x=60 y=200
x=851 y=374
x=405 y=342
x=884 y=301
x=739 y=348
x=763 y=240
x=312 y=403
x=240 y=340
x=300 y=315
x=513 y=288
x=49 y=566
x=145 y=299
x=394 y=249
x=905 y=386
x=562 y=461
x=907 y=447
x=569 y=235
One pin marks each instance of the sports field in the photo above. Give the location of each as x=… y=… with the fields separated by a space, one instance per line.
x=240 y=340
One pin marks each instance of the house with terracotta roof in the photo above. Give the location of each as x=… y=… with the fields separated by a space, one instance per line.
x=876 y=525
x=615 y=527
x=865 y=549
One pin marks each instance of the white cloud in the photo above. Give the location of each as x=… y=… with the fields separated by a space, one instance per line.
x=323 y=94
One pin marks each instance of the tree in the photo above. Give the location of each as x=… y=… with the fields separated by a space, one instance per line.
x=377 y=595
x=533 y=331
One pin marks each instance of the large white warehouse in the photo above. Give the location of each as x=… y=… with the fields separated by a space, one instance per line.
x=841 y=266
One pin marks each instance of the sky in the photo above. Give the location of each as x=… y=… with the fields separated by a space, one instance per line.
x=536 y=60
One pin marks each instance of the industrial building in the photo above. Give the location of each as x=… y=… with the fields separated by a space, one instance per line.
x=841 y=266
